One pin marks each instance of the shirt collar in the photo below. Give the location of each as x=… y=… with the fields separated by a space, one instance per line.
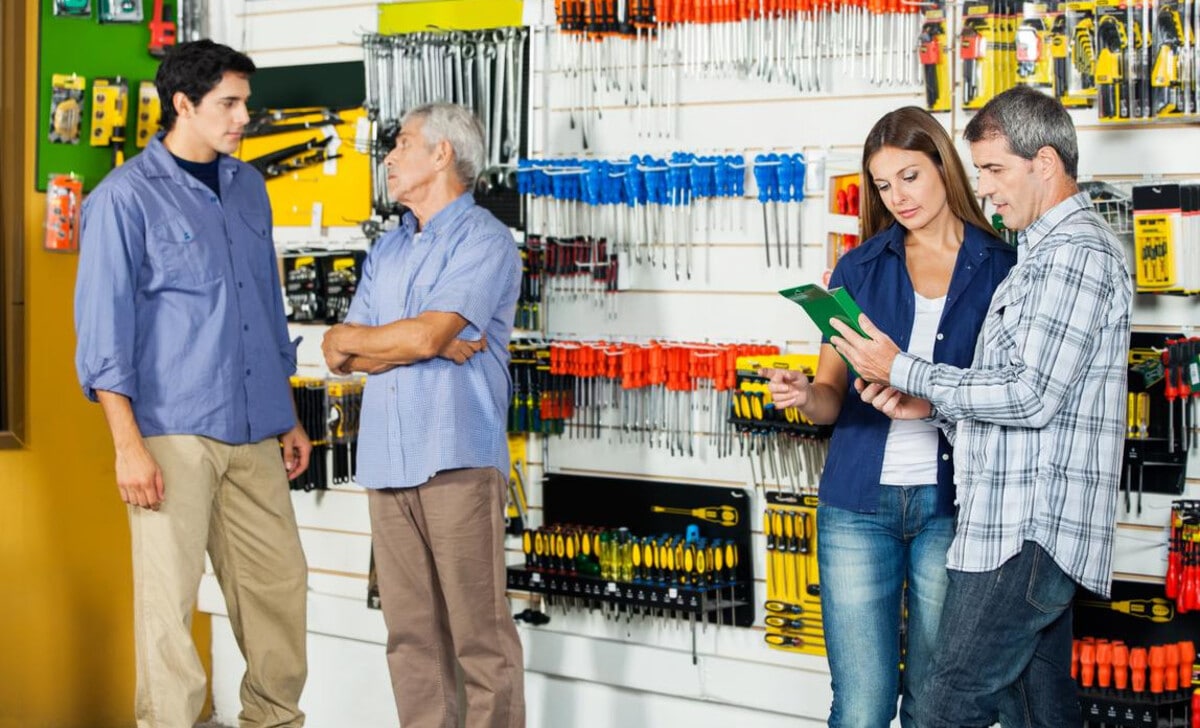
x=1044 y=225
x=442 y=218
x=160 y=163
x=975 y=241
x=893 y=241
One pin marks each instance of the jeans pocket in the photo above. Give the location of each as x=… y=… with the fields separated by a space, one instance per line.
x=1050 y=589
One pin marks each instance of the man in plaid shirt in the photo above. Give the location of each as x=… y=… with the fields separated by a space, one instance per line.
x=1040 y=422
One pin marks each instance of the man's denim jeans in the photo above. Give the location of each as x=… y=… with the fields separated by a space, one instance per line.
x=1004 y=649
x=865 y=560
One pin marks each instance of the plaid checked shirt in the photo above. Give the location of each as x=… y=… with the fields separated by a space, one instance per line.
x=1041 y=413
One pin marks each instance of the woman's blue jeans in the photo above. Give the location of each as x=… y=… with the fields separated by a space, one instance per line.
x=866 y=561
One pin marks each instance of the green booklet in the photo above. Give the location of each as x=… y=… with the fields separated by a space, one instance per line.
x=822 y=305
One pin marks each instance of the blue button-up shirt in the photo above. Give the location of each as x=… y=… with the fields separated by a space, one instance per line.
x=178 y=304
x=876 y=277
x=435 y=415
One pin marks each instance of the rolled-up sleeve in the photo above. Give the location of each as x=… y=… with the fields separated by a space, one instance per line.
x=112 y=248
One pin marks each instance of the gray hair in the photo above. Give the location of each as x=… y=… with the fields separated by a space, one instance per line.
x=1029 y=120
x=457 y=125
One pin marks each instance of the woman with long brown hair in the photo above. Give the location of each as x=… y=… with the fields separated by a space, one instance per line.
x=925 y=277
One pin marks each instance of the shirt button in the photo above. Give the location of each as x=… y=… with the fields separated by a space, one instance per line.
x=945 y=456
x=240 y=284
x=245 y=327
x=940 y=336
x=212 y=198
x=247 y=372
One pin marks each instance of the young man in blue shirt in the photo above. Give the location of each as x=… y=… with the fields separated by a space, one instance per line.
x=183 y=340
x=430 y=324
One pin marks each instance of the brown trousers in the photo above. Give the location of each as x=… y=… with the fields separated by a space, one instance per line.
x=232 y=500
x=439 y=558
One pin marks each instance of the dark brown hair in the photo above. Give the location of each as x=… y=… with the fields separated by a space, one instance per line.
x=914 y=129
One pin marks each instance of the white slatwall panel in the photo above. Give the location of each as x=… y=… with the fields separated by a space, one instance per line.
x=295 y=32
x=583 y=670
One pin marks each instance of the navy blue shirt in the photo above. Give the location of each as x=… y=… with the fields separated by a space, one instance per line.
x=876 y=276
x=206 y=172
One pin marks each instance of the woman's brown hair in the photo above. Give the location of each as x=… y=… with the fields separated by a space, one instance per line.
x=914 y=129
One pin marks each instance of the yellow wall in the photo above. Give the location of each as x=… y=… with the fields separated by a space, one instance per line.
x=66 y=638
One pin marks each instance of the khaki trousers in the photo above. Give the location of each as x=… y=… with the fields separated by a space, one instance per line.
x=232 y=500
x=439 y=559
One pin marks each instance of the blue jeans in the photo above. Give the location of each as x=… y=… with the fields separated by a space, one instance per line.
x=1004 y=649
x=865 y=561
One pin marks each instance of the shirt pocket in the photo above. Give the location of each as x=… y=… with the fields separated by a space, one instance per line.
x=180 y=250
x=257 y=234
x=1000 y=326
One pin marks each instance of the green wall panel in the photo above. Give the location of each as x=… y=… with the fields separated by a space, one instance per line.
x=90 y=49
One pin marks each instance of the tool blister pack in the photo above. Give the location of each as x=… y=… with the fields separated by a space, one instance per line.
x=935 y=60
x=1166 y=219
x=793 y=606
x=66 y=107
x=987 y=50
x=149 y=113
x=329 y=410
x=319 y=285
x=64 y=204
x=1034 y=50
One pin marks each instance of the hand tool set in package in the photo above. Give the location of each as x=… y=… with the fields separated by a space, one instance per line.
x=1166 y=223
x=793 y=603
x=329 y=410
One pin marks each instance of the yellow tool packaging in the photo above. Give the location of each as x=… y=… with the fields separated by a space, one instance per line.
x=149 y=113
x=793 y=606
x=1112 y=47
x=935 y=60
x=1033 y=47
x=1168 y=66
x=1077 y=85
x=1165 y=237
x=110 y=107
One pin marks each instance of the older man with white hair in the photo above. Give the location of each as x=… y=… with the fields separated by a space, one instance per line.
x=430 y=325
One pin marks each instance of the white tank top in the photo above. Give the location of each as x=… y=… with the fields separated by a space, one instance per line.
x=910 y=456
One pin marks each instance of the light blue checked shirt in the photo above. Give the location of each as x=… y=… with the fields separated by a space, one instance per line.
x=177 y=301
x=435 y=415
x=1041 y=411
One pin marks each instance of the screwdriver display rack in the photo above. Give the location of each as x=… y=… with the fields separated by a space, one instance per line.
x=1143 y=671
x=783 y=448
x=703 y=577
x=665 y=394
x=793 y=603
x=1120 y=685
x=1159 y=432
x=1182 y=582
